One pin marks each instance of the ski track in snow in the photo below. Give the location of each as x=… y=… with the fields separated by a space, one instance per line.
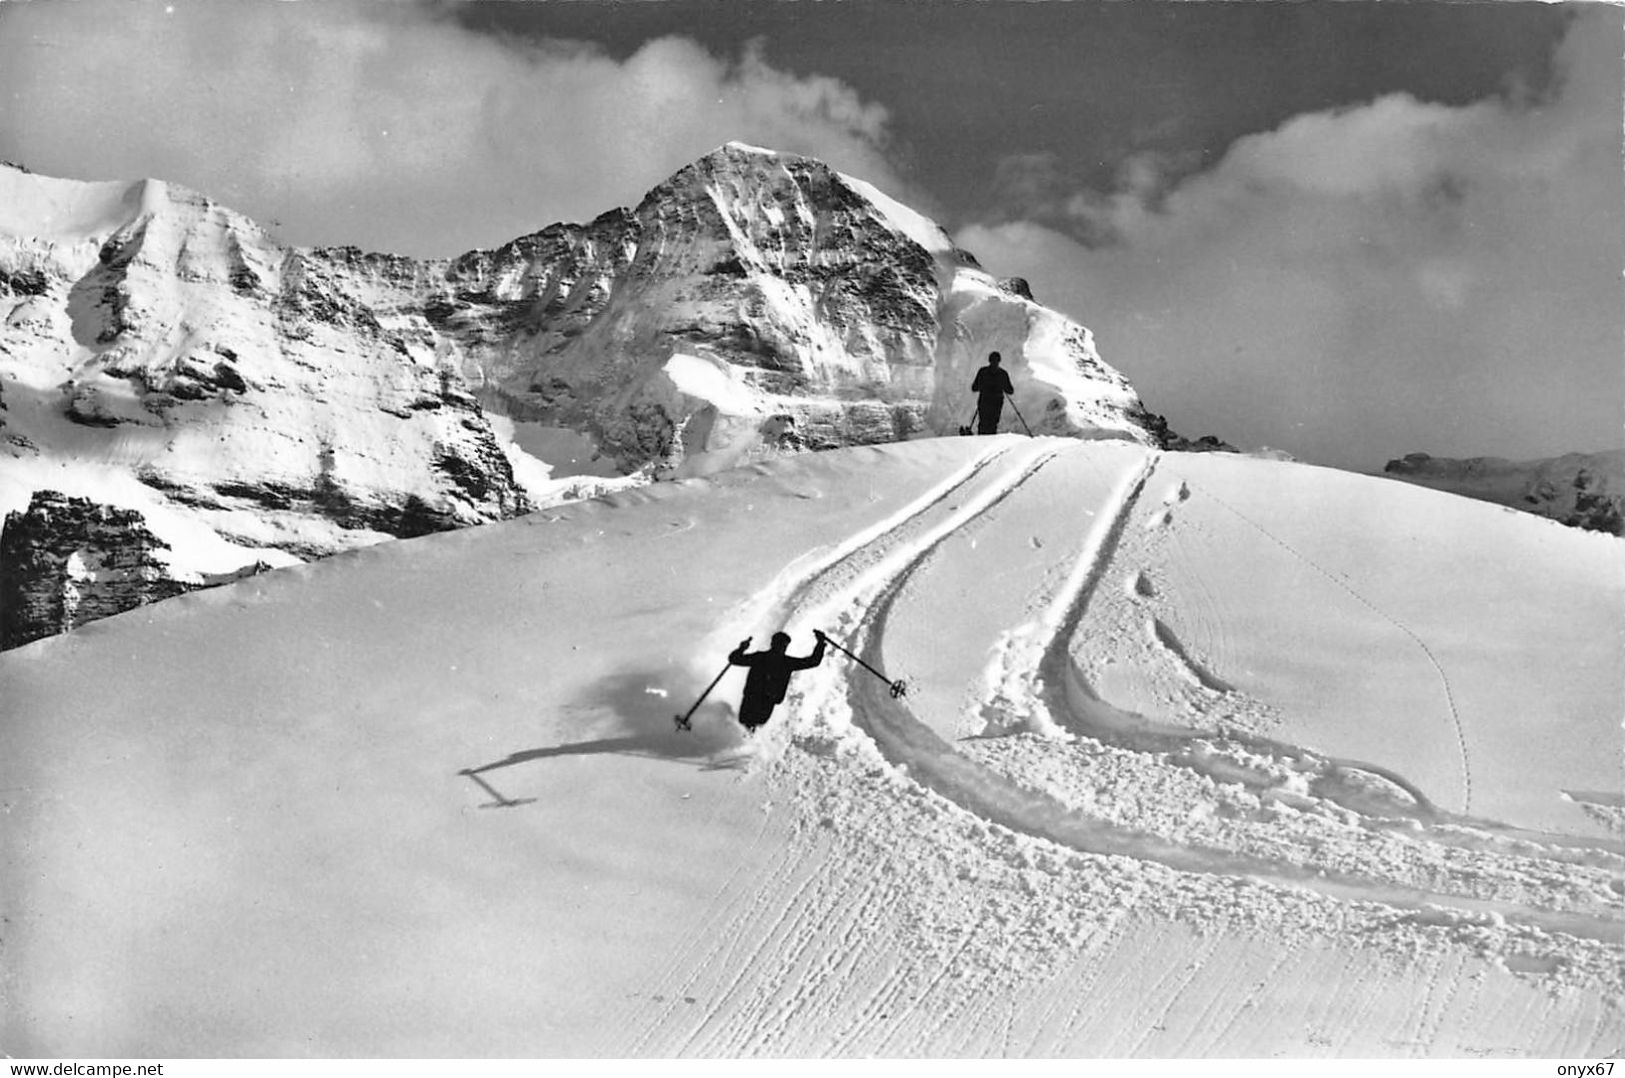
x=690 y=957
x=806 y=967
x=1067 y=695
x=1165 y=638
x=907 y=743
x=856 y=587
x=800 y=583
x=1444 y=679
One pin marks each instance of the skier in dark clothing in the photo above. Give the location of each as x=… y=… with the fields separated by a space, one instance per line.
x=769 y=677
x=991 y=385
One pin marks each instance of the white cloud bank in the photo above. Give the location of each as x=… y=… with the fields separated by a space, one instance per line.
x=388 y=125
x=1358 y=284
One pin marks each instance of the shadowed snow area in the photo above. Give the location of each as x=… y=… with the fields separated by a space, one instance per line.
x=1199 y=755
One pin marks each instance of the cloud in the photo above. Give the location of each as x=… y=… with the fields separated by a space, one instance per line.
x=1030 y=185
x=1393 y=277
x=389 y=126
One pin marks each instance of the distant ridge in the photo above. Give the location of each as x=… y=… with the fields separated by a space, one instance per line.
x=1582 y=490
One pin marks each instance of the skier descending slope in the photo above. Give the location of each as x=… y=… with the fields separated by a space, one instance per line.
x=991 y=385
x=769 y=677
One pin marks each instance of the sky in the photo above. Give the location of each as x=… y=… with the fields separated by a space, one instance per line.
x=1346 y=230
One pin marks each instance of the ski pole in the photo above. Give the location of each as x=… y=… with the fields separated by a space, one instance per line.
x=898 y=687
x=1013 y=407
x=501 y=802
x=682 y=720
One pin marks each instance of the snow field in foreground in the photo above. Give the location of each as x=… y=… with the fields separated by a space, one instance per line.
x=427 y=798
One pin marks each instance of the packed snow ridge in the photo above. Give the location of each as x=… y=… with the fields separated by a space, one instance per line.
x=259 y=404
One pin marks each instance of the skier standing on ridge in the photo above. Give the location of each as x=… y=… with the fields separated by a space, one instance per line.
x=992 y=385
x=769 y=677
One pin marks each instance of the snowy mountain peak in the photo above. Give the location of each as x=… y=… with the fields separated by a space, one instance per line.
x=66 y=213
x=163 y=354
x=740 y=177
x=838 y=315
x=746 y=147
x=42 y=207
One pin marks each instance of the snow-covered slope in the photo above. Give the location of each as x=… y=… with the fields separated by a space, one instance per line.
x=258 y=403
x=1201 y=755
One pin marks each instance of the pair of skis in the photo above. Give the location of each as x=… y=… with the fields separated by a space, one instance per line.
x=898 y=688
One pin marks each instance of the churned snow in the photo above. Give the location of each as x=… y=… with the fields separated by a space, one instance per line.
x=1199 y=756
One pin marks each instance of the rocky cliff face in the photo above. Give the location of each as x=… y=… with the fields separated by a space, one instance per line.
x=755 y=302
x=1582 y=490
x=258 y=403
x=67 y=561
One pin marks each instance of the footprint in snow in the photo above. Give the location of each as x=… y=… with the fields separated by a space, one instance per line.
x=1174 y=496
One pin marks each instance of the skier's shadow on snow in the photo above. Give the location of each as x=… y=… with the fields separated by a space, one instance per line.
x=642 y=705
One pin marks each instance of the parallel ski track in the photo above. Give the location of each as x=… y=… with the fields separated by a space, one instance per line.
x=847 y=569
x=701 y=936
x=1076 y=708
x=905 y=741
x=869 y=559
x=1096 y=719
x=1073 y=706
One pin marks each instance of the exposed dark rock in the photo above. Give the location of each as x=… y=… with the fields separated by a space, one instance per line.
x=67 y=561
x=1178 y=443
x=24 y=282
x=480 y=470
x=1409 y=464
x=1016 y=286
x=1595 y=508
x=226 y=377
x=85 y=408
x=1207 y=443
x=272 y=495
